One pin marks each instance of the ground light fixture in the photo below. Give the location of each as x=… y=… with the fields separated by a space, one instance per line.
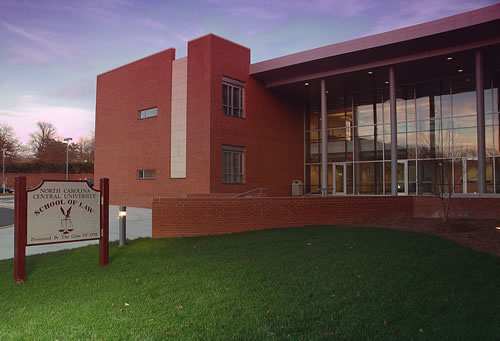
x=449 y=58
x=306 y=84
x=67 y=139
x=460 y=70
x=122 y=225
x=370 y=72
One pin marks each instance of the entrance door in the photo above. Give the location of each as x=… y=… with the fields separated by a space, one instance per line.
x=470 y=175
x=339 y=178
x=403 y=177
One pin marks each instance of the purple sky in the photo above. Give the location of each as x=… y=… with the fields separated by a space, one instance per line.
x=52 y=50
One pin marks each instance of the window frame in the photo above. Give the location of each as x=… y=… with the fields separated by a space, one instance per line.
x=228 y=175
x=143 y=177
x=146 y=116
x=229 y=109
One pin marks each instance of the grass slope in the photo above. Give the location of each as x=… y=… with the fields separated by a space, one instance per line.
x=308 y=283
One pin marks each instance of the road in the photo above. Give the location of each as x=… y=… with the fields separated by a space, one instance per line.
x=6 y=211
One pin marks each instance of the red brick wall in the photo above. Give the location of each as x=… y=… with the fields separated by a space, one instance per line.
x=179 y=217
x=460 y=207
x=33 y=179
x=175 y=217
x=125 y=144
x=271 y=131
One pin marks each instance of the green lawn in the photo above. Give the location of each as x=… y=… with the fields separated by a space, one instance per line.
x=306 y=283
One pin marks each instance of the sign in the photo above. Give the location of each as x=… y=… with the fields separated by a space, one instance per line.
x=60 y=211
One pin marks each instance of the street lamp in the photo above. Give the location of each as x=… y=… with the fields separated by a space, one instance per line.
x=3 y=169
x=67 y=139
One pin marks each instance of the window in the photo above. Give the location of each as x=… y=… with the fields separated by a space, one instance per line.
x=146 y=113
x=232 y=97
x=146 y=174
x=232 y=164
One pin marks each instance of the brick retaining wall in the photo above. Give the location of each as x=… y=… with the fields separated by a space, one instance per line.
x=190 y=216
x=176 y=217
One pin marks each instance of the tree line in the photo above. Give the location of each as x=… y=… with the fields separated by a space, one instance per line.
x=46 y=151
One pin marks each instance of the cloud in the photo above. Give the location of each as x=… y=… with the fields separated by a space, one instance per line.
x=37 y=39
x=418 y=12
x=69 y=121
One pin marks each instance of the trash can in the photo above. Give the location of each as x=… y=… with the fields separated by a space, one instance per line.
x=297 y=188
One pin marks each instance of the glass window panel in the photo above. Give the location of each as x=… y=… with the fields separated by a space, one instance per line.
x=489 y=137
x=497 y=174
x=425 y=148
x=410 y=103
x=401 y=127
x=400 y=109
x=464 y=103
x=336 y=151
x=445 y=143
x=336 y=118
x=402 y=146
x=496 y=139
x=472 y=176
x=338 y=133
x=365 y=131
x=368 y=177
x=312 y=135
x=379 y=113
x=412 y=145
x=423 y=125
x=313 y=118
x=464 y=121
x=313 y=152
x=458 y=175
x=313 y=175
x=411 y=126
x=368 y=148
x=364 y=114
x=412 y=177
x=387 y=140
x=465 y=142
x=423 y=108
x=489 y=175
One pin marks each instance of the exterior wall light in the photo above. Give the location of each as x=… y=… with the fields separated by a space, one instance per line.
x=498 y=227
x=370 y=72
x=449 y=58
x=460 y=70
x=306 y=84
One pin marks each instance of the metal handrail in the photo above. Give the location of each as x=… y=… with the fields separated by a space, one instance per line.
x=313 y=192
x=260 y=189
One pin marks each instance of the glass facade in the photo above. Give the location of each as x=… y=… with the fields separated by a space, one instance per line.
x=436 y=139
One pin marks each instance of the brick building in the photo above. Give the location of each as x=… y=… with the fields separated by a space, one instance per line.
x=419 y=103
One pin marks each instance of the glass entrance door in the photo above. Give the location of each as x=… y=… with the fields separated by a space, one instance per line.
x=339 y=178
x=470 y=175
x=403 y=177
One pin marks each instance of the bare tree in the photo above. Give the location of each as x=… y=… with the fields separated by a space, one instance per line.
x=8 y=140
x=41 y=139
x=83 y=150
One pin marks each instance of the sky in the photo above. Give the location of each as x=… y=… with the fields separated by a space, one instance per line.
x=51 y=51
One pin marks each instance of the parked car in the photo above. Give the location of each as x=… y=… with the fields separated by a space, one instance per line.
x=7 y=190
x=91 y=182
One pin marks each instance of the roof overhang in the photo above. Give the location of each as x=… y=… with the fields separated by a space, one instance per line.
x=462 y=32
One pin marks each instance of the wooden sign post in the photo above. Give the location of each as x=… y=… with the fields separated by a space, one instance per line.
x=59 y=212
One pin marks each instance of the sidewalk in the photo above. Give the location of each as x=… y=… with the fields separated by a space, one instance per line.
x=138 y=225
